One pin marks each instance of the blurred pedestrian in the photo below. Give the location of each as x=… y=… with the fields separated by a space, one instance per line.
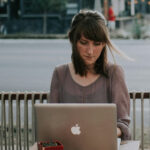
x=111 y=19
x=3 y=29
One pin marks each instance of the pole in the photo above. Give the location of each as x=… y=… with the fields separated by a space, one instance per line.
x=79 y=5
x=106 y=8
x=8 y=9
x=21 y=8
x=132 y=8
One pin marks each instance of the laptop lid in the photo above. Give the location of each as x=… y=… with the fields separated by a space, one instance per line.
x=77 y=126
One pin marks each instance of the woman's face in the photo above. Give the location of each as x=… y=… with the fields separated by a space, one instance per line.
x=89 y=50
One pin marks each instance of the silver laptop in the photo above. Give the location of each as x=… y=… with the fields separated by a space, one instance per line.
x=77 y=126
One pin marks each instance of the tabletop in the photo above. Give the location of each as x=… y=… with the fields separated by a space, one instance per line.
x=125 y=145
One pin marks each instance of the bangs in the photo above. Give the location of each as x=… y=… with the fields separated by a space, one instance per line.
x=91 y=30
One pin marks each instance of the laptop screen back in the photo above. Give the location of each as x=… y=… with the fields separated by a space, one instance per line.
x=77 y=126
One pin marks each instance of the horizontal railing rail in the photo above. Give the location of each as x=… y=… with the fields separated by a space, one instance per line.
x=45 y=94
x=17 y=129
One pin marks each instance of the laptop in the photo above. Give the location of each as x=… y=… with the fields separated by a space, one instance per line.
x=77 y=126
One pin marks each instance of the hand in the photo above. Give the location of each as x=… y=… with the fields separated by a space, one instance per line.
x=118 y=132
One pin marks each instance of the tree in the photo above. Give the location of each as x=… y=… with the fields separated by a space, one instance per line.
x=46 y=7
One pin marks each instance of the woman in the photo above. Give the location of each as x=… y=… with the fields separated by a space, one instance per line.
x=89 y=78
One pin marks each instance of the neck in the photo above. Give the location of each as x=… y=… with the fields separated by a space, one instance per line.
x=90 y=69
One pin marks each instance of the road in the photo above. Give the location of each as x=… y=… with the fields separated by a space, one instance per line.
x=27 y=65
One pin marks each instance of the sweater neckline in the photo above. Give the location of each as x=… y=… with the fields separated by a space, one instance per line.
x=78 y=83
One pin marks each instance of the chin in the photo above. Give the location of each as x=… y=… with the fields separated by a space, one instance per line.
x=89 y=64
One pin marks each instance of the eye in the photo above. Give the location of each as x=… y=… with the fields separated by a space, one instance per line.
x=97 y=43
x=83 y=42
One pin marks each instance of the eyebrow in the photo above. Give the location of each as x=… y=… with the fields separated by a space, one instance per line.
x=83 y=38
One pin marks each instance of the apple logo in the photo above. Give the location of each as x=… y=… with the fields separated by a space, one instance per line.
x=75 y=130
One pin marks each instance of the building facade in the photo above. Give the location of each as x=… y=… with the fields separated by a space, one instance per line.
x=28 y=15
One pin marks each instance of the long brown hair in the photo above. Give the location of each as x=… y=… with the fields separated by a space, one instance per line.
x=92 y=25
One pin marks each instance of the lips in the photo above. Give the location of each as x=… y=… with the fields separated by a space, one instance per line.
x=88 y=56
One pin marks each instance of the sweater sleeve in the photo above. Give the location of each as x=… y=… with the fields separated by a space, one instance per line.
x=54 y=88
x=120 y=97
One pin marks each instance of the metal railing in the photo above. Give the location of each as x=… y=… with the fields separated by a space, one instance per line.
x=17 y=129
x=142 y=133
x=17 y=119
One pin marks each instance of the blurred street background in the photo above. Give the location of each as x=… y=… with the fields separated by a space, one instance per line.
x=34 y=17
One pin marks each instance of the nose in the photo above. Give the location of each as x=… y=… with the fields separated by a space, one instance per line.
x=90 y=49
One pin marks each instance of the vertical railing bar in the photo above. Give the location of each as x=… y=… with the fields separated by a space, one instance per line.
x=1 y=127
x=134 y=115
x=42 y=97
x=142 y=120
x=1 y=140
x=19 y=147
x=27 y=123
x=5 y=127
x=12 y=124
x=41 y=94
x=48 y=97
x=25 y=120
x=17 y=127
x=9 y=121
x=149 y=115
x=33 y=119
x=19 y=119
x=11 y=137
x=26 y=139
x=3 y=123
